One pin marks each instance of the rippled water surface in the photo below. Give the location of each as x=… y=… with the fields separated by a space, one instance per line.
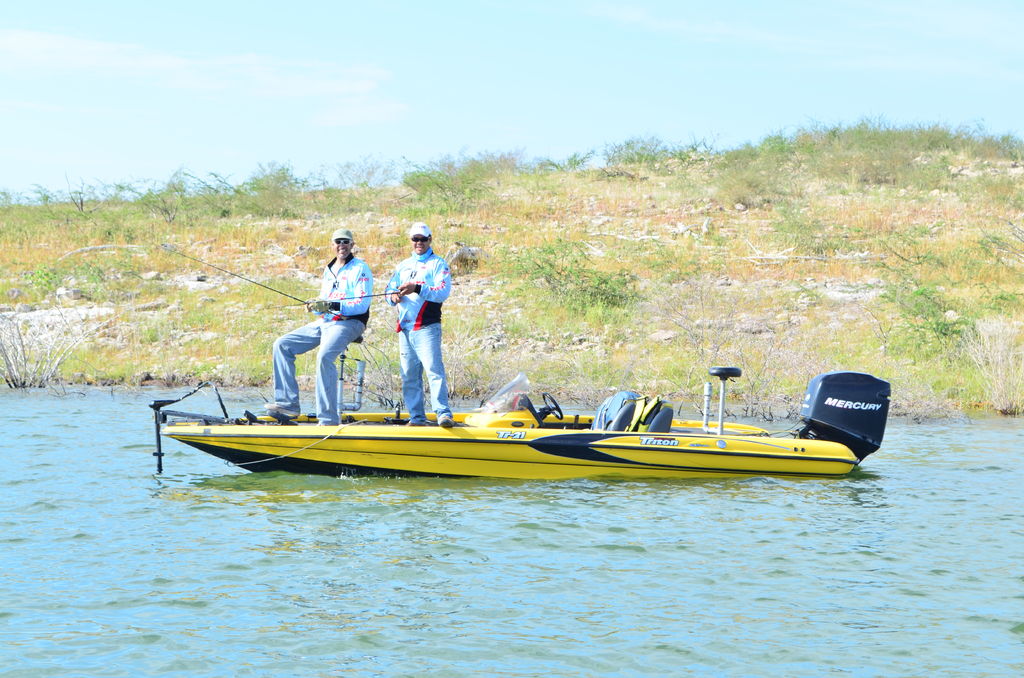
x=909 y=567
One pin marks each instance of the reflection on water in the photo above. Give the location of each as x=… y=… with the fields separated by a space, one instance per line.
x=908 y=566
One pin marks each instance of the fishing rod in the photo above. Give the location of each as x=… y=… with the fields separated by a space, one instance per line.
x=170 y=248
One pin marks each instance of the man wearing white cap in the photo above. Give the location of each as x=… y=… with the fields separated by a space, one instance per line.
x=417 y=289
x=342 y=309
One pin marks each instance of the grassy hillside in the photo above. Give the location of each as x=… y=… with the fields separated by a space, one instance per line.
x=892 y=250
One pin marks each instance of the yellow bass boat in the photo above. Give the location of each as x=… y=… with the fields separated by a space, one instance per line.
x=843 y=414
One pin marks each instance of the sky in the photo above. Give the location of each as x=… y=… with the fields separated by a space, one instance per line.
x=103 y=92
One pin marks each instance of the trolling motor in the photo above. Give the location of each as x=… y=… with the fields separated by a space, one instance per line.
x=723 y=374
x=160 y=417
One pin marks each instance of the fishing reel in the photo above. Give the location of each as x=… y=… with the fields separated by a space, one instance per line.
x=321 y=305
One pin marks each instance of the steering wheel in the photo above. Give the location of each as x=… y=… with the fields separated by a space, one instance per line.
x=550 y=407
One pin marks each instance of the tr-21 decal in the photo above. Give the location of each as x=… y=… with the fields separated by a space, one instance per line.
x=512 y=434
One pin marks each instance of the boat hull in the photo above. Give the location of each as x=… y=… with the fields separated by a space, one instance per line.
x=537 y=453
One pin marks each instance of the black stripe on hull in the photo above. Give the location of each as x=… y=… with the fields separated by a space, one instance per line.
x=578 y=446
x=261 y=463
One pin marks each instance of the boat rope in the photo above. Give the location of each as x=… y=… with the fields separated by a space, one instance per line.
x=301 y=449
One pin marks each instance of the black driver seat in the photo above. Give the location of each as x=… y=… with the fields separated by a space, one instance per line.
x=660 y=420
x=623 y=418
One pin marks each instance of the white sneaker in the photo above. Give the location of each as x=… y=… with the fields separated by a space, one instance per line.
x=274 y=408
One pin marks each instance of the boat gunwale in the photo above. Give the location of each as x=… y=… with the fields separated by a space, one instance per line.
x=275 y=441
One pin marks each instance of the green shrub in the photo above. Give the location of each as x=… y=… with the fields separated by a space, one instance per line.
x=1008 y=247
x=636 y=151
x=351 y=186
x=652 y=153
x=754 y=176
x=809 y=236
x=166 y=200
x=868 y=153
x=873 y=152
x=45 y=279
x=272 y=191
x=931 y=320
x=574 y=163
x=215 y=194
x=564 y=270
x=452 y=184
x=1001 y=189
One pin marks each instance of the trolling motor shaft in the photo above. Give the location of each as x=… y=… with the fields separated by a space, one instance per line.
x=723 y=374
x=160 y=417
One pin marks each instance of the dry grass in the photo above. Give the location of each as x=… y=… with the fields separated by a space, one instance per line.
x=33 y=351
x=996 y=346
x=838 y=258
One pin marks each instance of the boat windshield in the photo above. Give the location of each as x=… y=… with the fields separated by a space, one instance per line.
x=508 y=397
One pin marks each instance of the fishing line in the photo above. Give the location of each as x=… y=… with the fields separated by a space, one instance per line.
x=170 y=248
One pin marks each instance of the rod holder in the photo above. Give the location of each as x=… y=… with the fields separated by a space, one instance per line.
x=356 y=404
x=707 y=405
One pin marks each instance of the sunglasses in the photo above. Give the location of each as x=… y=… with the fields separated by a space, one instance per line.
x=417 y=238
x=342 y=241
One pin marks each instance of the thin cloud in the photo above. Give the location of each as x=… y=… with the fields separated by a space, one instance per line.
x=40 y=55
x=359 y=111
x=16 y=106
x=707 y=32
x=860 y=34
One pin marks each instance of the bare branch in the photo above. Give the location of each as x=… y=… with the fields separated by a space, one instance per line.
x=98 y=247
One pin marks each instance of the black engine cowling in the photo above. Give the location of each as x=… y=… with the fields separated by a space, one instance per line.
x=850 y=408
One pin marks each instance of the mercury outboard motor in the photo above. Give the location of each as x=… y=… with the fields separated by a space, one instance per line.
x=850 y=408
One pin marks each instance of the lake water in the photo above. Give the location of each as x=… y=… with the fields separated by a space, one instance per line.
x=909 y=567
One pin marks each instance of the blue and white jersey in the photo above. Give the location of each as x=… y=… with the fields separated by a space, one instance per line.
x=350 y=283
x=433 y=281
